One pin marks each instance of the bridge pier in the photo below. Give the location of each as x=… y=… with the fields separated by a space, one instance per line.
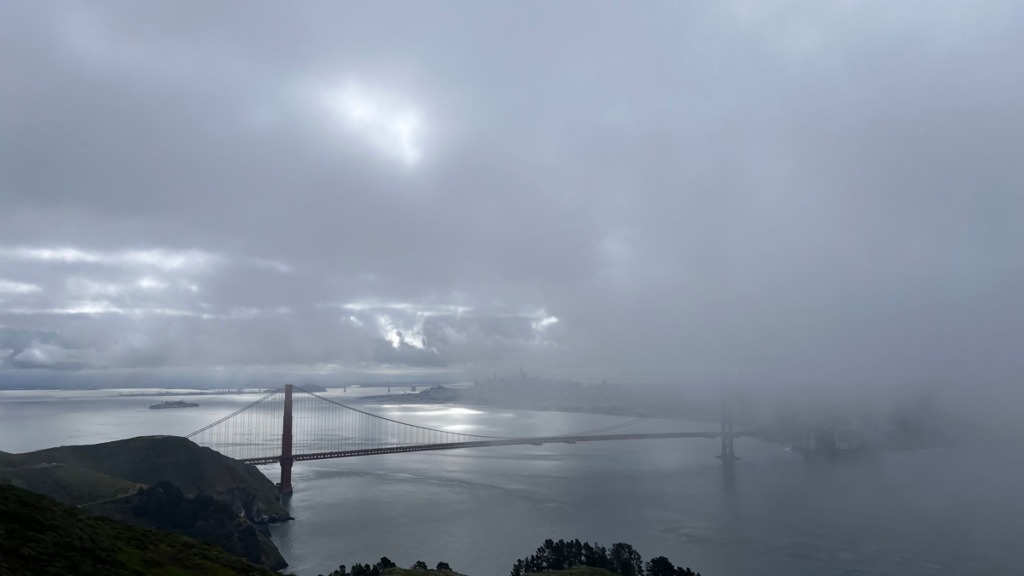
x=728 y=454
x=286 y=443
x=364 y=434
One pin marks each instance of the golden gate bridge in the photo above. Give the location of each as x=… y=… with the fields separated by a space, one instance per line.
x=290 y=425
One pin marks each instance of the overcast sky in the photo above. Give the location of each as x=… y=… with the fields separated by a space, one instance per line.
x=703 y=192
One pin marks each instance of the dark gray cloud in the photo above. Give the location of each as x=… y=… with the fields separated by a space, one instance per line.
x=798 y=191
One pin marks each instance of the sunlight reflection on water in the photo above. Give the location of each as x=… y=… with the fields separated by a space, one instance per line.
x=915 y=514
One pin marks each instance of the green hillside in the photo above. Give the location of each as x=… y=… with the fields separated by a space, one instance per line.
x=164 y=506
x=150 y=459
x=69 y=484
x=42 y=537
x=109 y=479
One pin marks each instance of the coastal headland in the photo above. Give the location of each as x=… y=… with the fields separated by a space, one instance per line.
x=162 y=482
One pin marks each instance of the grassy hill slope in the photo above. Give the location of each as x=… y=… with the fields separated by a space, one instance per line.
x=164 y=507
x=40 y=536
x=149 y=459
x=69 y=484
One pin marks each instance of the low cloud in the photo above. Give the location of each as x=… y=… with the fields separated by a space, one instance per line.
x=167 y=260
x=42 y=355
x=767 y=193
x=11 y=287
x=136 y=324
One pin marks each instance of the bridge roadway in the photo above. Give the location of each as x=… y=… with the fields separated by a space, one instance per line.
x=496 y=442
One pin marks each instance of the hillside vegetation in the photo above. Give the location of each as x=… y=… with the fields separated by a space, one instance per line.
x=111 y=479
x=418 y=572
x=69 y=484
x=562 y=558
x=575 y=558
x=42 y=537
x=150 y=459
x=577 y=571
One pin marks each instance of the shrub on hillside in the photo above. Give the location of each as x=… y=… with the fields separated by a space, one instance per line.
x=622 y=559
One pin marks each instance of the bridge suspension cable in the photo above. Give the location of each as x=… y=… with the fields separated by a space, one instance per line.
x=253 y=431
x=323 y=425
x=292 y=424
x=609 y=428
x=474 y=436
x=318 y=425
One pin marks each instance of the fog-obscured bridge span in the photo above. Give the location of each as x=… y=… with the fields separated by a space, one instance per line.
x=291 y=425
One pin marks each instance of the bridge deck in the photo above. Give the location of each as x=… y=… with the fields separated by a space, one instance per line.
x=483 y=443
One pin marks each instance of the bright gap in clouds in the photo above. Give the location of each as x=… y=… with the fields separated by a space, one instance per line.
x=162 y=259
x=543 y=323
x=11 y=287
x=391 y=126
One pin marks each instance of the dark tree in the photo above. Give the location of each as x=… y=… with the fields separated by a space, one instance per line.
x=595 y=556
x=364 y=570
x=660 y=566
x=626 y=561
x=622 y=559
x=562 y=555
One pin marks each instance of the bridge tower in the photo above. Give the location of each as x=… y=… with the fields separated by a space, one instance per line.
x=728 y=452
x=286 y=443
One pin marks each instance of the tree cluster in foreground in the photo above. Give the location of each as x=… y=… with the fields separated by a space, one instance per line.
x=379 y=568
x=622 y=559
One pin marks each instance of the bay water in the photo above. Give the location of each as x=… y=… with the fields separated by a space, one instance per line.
x=936 y=512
